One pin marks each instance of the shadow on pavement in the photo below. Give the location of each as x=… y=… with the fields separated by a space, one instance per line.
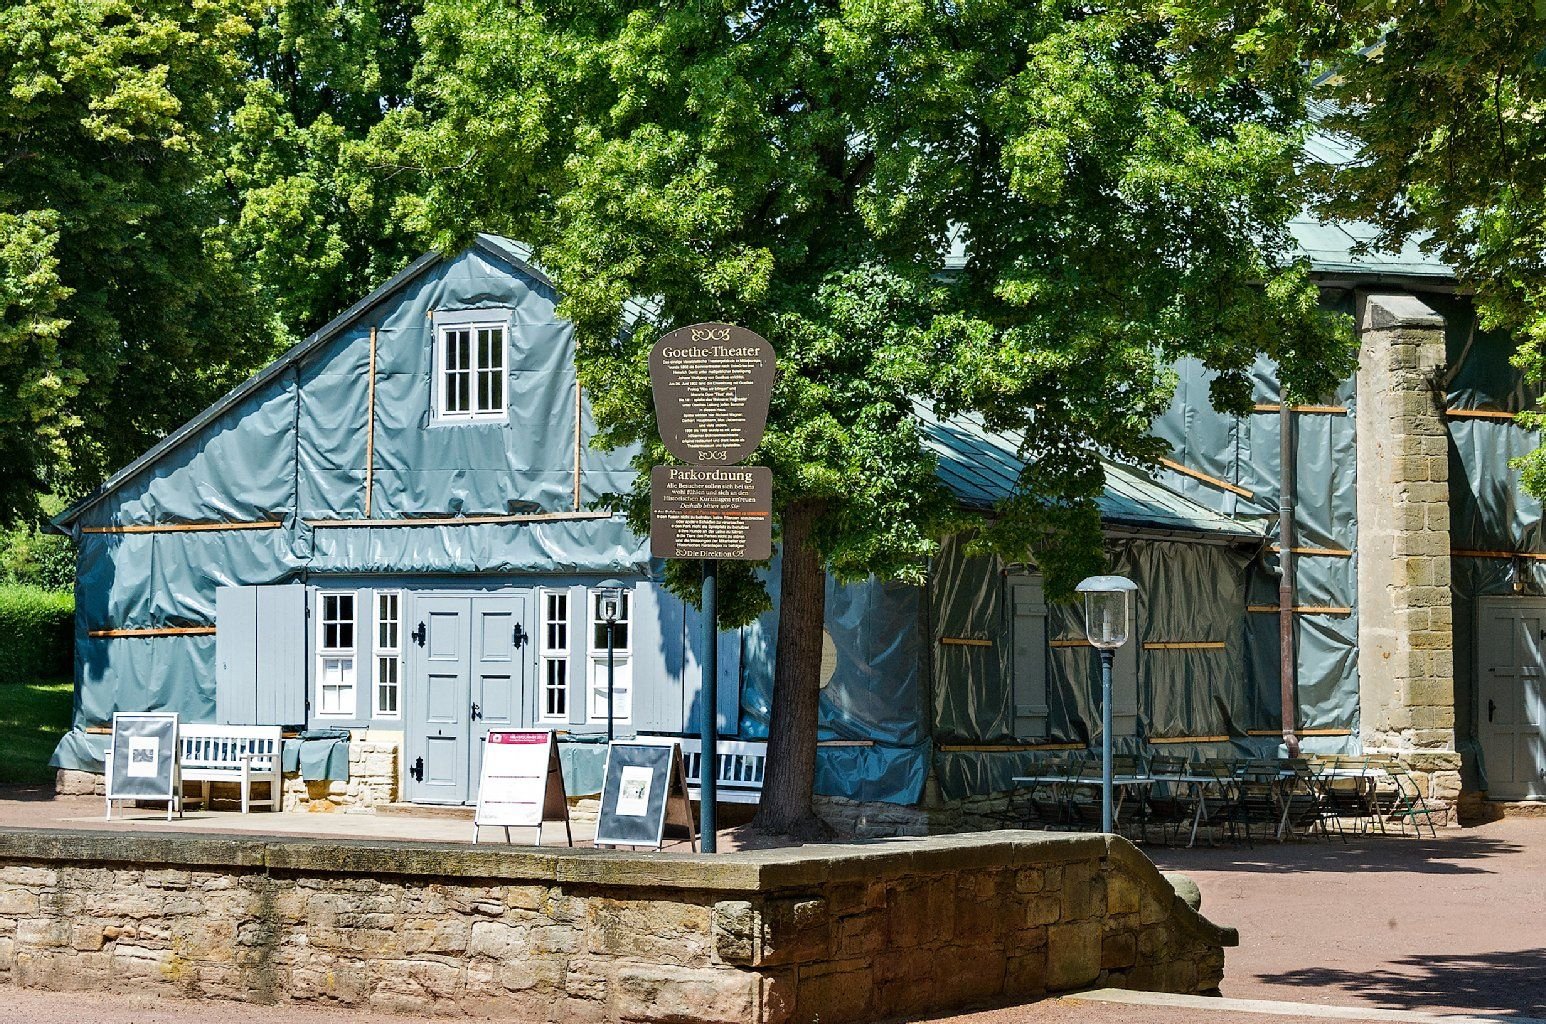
x=29 y=794
x=1450 y=854
x=1509 y=984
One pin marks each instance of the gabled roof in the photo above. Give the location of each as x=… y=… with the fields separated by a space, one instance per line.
x=982 y=467
x=512 y=252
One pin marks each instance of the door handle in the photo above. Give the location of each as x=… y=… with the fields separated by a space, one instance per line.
x=477 y=712
x=419 y=635
x=518 y=636
x=1491 y=707
x=417 y=771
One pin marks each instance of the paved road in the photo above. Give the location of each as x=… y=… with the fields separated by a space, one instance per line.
x=1457 y=923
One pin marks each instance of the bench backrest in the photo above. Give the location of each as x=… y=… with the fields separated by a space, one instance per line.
x=741 y=762
x=222 y=746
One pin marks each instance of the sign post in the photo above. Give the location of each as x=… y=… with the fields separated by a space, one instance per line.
x=144 y=762
x=712 y=384
x=522 y=784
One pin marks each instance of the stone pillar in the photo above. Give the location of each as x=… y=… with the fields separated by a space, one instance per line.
x=1405 y=635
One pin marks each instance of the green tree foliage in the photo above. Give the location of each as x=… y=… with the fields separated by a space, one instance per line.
x=314 y=218
x=1445 y=104
x=119 y=314
x=802 y=168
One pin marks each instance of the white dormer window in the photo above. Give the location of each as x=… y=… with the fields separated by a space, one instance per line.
x=470 y=372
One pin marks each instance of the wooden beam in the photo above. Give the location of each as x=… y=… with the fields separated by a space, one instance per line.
x=1185 y=645
x=1479 y=414
x=579 y=441
x=268 y=524
x=533 y=517
x=162 y=631
x=1071 y=641
x=964 y=641
x=1300 y=732
x=1326 y=410
x=370 y=427
x=1187 y=739
x=1003 y=748
x=1302 y=609
x=1532 y=556
x=1212 y=481
x=1322 y=552
x=845 y=743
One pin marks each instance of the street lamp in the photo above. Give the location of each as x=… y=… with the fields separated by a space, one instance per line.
x=1108 y=616
x=609 y=595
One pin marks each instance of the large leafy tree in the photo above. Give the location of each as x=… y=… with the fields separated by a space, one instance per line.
x=119 y=315
x=804 y=168
x=314 y=211
x=1444 y=104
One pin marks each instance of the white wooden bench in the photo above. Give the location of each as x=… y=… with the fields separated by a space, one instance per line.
x=741 y=764
x=242 y=754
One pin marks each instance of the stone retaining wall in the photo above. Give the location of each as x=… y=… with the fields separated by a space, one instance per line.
x=830 y=934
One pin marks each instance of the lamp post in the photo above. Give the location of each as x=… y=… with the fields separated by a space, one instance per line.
x=610 y=594
x=1108 y=616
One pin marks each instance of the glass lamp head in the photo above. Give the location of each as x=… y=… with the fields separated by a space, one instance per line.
x=1108 y=610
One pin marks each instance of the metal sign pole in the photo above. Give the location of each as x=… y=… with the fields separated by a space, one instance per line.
x=1105 y=739
x=708 y=730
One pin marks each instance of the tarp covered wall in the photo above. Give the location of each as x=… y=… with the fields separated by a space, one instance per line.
x=1489 y=512
x=1245 y=453
x=289 y=456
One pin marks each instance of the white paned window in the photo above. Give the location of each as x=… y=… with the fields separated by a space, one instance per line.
x=554 y=706
x=336 y=655
x=622 y=661
x=471 y=374
x=389 y=653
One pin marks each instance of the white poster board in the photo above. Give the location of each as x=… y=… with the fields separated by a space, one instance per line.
x=143 y=762
x=522 y=784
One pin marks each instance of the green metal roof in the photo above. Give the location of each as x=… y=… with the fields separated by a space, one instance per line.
x=1333 y=247
x=981 y=468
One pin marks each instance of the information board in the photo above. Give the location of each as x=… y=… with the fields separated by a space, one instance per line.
x=702 y=512
x=643 y=791
x=522 y=784
x=711 y=384
x=142 y=763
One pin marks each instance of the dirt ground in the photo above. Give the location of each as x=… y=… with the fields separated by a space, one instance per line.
x=1453 y=925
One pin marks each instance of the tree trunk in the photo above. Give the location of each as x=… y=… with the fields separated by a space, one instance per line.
x=791 y=766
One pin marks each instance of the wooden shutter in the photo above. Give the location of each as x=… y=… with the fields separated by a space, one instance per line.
x=236 y=654
x=1029 y=669
x=283 y=642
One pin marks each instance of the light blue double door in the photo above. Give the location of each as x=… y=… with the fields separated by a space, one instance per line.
x=471 y=662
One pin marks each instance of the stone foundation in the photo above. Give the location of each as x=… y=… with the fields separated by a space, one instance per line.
x=372 y=782
x=830 y=934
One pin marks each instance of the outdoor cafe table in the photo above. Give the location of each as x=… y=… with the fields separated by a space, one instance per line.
x=1121 y=783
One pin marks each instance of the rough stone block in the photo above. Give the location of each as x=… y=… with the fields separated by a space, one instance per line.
x=1073 y=955
x=736 y=926
x=659 y=993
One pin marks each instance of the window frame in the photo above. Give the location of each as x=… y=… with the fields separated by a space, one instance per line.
x=382 y=653
x=596 y=658
x=475 y=370
x=550 y=657
x=326 y=655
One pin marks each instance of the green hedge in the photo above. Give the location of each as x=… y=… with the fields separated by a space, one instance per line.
x=37 y=632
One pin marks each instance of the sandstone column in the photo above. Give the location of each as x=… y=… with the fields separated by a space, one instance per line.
x=1405 y=635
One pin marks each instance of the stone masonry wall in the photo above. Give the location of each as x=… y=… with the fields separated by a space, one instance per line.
x=828 y=934
x=1405 y=627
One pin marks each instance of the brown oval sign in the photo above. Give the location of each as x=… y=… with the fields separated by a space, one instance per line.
x=711 y=384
